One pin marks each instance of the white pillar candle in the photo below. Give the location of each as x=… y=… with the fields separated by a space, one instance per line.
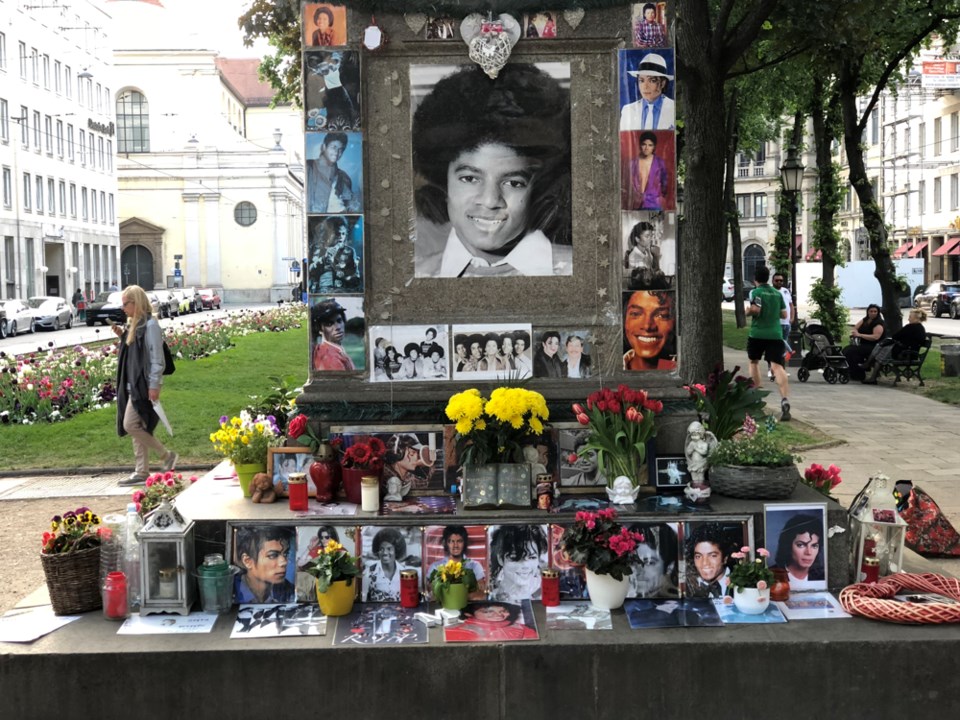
x=369 y=494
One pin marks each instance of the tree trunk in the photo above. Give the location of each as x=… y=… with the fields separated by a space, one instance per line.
x=702 y=250
x=872 y=215
x=823 y=137
x=733 y=215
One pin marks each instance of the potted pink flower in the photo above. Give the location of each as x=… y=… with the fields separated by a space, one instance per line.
x=750 y=581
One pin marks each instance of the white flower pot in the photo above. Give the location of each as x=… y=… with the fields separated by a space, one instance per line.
x=607 y=593
x=751 y=601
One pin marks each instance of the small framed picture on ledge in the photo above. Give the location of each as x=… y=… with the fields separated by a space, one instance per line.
x=671 y=474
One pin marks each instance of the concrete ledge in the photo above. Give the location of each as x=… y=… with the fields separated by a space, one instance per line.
x=811 y=669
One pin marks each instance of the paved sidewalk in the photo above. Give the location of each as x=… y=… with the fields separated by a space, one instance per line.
x=904 y=436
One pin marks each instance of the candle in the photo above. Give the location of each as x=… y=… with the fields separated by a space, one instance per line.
x=115 y=596
x=409 y=589
x=369 y=493
x=167 y=589
x=549 y=588
x=297 y=490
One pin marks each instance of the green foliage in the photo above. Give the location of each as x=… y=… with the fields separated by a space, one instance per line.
x=764 y=448
x=749 y=573
x=331 y=564
x=830 y=312
x=450 y=573
x=279 y=22
x=279 y=400
x=727 y=399
x=830 y=194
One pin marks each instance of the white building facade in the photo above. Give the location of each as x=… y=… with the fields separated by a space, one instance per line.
x=58 y=218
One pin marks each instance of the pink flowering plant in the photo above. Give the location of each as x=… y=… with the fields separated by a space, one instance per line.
x=160 y=487
x=599 y=542
x=749 y=573
x=726 y=400
x=822 y=479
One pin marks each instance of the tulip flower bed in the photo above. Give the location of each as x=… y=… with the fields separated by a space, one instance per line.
x=53 y=385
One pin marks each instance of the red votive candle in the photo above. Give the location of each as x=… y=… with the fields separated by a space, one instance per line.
x=115 y=596
x=870 y=571
x=409 y=589
x=297 y=491
x=549 y=588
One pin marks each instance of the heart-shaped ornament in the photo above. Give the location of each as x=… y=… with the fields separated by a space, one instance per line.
x=415 y=21
x=573 y=17
x=491 y=52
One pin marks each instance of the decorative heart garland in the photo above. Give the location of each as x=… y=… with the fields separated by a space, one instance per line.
x=415 y=21
x=573 y=17
x=490 y=40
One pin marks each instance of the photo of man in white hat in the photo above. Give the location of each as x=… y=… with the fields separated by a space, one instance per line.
x=652 y=110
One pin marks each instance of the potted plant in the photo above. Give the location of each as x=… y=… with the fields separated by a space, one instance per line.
x=621 y=422
x=70 y=556
x=334 y=568
x=756 y=464
x=750 y=581
x=244 y=440
x=726 y=400
x=606 y=551
x=452 y=584
x=363 y=457
x=495 y=444
x=160 y=487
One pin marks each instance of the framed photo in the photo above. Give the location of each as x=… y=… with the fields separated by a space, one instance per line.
x=309 y=541
x=707 y=549
x=649 y=250
x=579 y=467
x=494 y=351
x=332 y=90
x=385 y=552
x=413 y=454
x=573 y=582
x=441 y=28
x=649 y=338
x=671 y=473
x=517 y=552
x=336 y=334
x=795 y=536
x=334 y=172
x=656 y=572
x=324 y=25
x=466 y=543
x=281 y=461
x=540 y=25
x=401 y=353
x=647 y=77
x=266 y=555
x=649 y=24
x=335 y=248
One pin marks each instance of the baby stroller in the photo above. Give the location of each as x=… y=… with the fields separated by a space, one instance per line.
x=823 y=354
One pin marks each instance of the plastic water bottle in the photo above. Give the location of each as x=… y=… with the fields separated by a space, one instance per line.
x=131 y=555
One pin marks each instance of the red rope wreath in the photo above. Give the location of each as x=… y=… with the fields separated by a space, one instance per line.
x=869 y=600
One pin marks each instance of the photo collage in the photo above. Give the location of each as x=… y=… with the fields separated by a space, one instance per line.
x=333 y=150
x=648 y=186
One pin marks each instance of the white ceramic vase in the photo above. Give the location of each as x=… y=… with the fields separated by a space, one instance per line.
x=751 y=601
x=606 y=593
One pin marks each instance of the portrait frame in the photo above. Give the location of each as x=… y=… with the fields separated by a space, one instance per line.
x=665 y=480
x=353 y=342
x=780 y=518
x=348 y=201
x=234 y=538
x=434 y=551
x=277 y=471
x=376 y=589
x=585 y=474
x=540 y=25
x=333 y=107
x=733 y=533
x=637 y=16
x=430 y=436
x=338 y=28
x=628 y=62
x=637 y=253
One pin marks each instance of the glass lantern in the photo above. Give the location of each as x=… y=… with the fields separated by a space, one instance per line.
x=166 y=562
x=877 y=530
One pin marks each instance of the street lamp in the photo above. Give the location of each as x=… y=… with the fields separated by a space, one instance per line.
x=791 y=176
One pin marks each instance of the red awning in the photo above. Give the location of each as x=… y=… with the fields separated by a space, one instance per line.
x=810 y=253
x=955 y=250
x=917 y=249
x=900 y=251
x=947 y=247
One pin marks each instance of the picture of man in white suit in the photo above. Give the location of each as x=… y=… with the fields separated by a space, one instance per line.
x=653 y=110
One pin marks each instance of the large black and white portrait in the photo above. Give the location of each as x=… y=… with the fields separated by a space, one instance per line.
x=492 y=170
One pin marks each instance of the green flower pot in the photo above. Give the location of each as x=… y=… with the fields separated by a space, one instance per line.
x=245 y=473
x=454 y=597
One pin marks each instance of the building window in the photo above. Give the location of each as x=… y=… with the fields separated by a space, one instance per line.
x=133 y=122
x=922 y=139
x=37 y=132
x=743 y=205
x=3 y=51
x=937 y=136
x=110 y=155
x=60 y=138
x=760 y=205
x=35 y=66
x=954 y=132
x=51 y=196
x=71 y=148
x=103 y=207
x=4 y=121
x=92 y=146
x=62 y=197
x=906 y=139
x=245 y=213
x=68 y=82
x=922 y=191
x=27 y=192
x=39 y=198
x=7 y=187
x=113 y=217
x=73 y=200
x=24 y=128
x=48 y=134
x=954 y=191
x=57 y=76
x=46 y=72
x=874 y=127
x=936 y=194
x=83 y=148
x=103 y=164
x=23 y=60
x=99 y=100
x=84 y=204
x=93 y=206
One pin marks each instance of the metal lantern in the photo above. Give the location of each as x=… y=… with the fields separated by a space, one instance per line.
x=166 y=562
x=878 y=532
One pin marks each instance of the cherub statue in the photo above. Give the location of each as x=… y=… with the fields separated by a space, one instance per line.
x=700 y=443
x=623 y=492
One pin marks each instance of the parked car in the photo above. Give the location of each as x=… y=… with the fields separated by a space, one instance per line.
x=106 y=306
x=937 y=296
x=3 y=322
x=51 y=313
x=955 y=308
x=184 y=305
x=210 y=299
x=169 y=303
x=727 y=289
x=19 y=317
x=193 y=295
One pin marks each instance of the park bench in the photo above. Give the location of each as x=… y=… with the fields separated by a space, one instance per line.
x=908 y=366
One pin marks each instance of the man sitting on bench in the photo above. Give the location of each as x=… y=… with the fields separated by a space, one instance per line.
x=906 y=341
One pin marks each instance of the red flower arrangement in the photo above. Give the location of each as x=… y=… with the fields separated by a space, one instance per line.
x=822 y=479
x=599 y=542
x=363 y=455
x=298 y=429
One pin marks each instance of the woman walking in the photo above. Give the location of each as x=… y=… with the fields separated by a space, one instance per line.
x=139 y=379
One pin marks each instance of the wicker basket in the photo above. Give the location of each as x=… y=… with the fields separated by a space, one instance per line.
x=753 y=482
x=73 y=580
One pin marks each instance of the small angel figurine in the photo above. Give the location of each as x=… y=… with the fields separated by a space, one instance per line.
x=700 y=443
x=623 y=492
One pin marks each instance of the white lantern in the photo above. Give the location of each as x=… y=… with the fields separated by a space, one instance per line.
x=877 y=529
x=166 y=562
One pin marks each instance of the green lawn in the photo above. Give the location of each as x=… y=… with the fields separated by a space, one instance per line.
x=936 y=387
x=194 y=398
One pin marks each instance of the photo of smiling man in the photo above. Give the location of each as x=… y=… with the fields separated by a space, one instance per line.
x=492 y=164
x=649 y=341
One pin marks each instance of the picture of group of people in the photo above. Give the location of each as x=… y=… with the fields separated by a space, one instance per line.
x=649 y=330
x=492 y=170
x=562 y=354
x=649 y=251
x=409 y=352
x=336 y=334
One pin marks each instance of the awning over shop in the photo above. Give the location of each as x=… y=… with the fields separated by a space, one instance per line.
x=917 y=249
x=947 y=247
x=955 y=250
x=798 y=244
x=899 y=252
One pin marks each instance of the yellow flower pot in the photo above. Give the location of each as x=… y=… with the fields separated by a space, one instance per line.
x=338 y=599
